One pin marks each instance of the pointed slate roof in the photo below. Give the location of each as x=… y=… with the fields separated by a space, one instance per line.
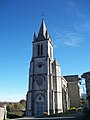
x=43 y=34
x=55 y=61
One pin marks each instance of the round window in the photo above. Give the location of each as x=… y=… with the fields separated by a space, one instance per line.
x=39 y=80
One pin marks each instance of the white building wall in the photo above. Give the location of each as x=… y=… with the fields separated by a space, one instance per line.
x=65 y=87
x=59 y=89
x=3 y=113
x=50 y=50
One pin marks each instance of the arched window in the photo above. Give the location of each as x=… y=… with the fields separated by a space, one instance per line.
x=46 y=34
x=40 y=50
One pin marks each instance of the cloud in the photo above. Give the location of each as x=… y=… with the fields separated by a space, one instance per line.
x=84 y=24
x=67 y=38
x=72 y=39
x=85 y=27
x=73 y=42
x=73 y=7
x=55 y=46
x=71 y=4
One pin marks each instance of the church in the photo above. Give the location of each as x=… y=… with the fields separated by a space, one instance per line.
x=48 y=89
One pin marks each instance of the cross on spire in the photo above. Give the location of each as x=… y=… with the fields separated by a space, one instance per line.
x=43 y=15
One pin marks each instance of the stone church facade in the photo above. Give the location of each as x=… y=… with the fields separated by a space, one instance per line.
x=48 y=91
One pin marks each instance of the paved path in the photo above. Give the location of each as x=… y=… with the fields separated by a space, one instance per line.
x=47 y=118
x=76 y=116
x=80 y=115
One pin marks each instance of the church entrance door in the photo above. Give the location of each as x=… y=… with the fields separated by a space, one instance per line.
x=39 y=108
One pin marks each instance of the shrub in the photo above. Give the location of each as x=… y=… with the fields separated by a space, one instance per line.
x=72 y=109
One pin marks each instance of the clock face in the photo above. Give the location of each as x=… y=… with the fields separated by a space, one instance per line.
x=39 y=80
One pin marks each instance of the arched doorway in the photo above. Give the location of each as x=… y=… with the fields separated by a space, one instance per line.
x=39 y=104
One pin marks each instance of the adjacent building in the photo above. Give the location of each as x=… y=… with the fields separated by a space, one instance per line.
x=73 y=90
x=86 y=76
x=48 y=91
x=65 y=95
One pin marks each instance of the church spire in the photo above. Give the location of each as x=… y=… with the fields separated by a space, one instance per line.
x=34 y=36
x=43 y=34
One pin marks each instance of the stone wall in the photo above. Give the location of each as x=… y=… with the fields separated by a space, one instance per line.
x=3 y=113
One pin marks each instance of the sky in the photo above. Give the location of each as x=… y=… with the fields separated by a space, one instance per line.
x=67 y=21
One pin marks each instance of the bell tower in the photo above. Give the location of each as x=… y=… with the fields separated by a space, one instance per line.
x=39 y=95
